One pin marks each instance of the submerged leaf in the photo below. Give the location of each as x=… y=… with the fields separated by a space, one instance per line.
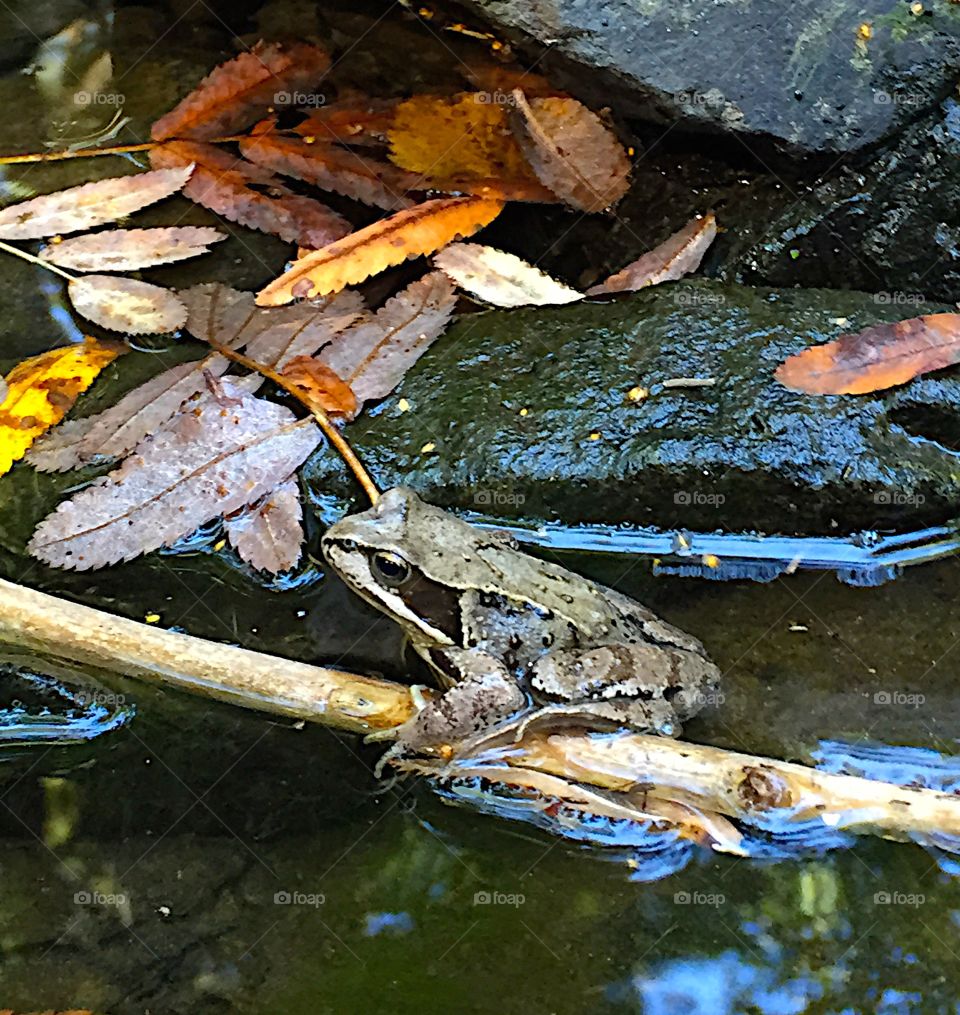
x=92 y=204
x=373 y=356
x=268 y=535
x=678 y=255
x=126 y=304
x=320 y=387
x=418 y=230
x=234 y=188
x=131 y=249
x=344 y=172
x=117 y=430
x=571 y=151
x=272 y=336
x=502 y=279
x=228 y=450
x=878 y=357
x=42 y=389
x=236 y=92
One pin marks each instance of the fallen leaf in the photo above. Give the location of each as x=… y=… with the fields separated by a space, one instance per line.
x=234 y=188
x=320 y=387
x=501 y=279
x=460 y=139
x=233 y=94
x=126 y=304
x=571 y=150
x=878 y=357
x=92 y=204
x=678 y=255
x=42 y=389
x=418 y=230
x=117 y=430
x=131 y=249
x=227 y=450
x=363 y=121
x=373 y=355
x=272 y=336
x=268 y=535
x=344 y=172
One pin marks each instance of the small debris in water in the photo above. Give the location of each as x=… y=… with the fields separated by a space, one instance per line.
x=799 y=628
x=152 y=618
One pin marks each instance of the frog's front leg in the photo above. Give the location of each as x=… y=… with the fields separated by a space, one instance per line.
x=649 y=687
x=484 y=692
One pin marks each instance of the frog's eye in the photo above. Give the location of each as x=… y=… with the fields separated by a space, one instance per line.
x=390 y=569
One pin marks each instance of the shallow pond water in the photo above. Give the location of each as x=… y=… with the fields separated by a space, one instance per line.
x=202 y=858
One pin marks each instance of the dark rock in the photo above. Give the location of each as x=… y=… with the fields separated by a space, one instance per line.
x=887 y=224
x=745 y=454
x=828 y=78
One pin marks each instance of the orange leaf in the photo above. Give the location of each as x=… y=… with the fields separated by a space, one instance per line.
x=42 y=389
x=878 y=357
x=227 y=185
x=355 y=122
x=419 y=230
x=345 y=172
x=234 y=93
x=320 y=386
x=678 y=255
x=571 y=151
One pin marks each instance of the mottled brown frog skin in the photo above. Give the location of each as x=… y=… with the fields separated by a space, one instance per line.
x=504 y=631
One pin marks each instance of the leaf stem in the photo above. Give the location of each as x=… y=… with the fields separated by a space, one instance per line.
x=36 y=260
x=323 y=420
x=90 y=153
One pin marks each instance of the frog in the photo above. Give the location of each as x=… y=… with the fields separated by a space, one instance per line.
x=507 y=634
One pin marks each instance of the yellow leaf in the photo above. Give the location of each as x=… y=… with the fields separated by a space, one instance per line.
x=42 y=389
x=467 y=136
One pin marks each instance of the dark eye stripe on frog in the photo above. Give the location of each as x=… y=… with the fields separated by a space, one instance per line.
x=438 y=604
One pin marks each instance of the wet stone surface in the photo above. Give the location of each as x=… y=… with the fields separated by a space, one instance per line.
x=528 y=414
x=828 y=78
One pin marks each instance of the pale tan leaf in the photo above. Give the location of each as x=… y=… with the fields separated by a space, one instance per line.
x=678 y=255
x=269 y=535
x=571 y=150
x=92 y=204
x=373 y=356
x=131 y=249
x=235 y=93
x=501 y=279
x=117 y=430
x=272 y=336
x=126 y=304
x=227 y=450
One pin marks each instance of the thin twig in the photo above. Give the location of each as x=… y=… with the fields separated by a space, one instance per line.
x=323 y=420
x=17 y=252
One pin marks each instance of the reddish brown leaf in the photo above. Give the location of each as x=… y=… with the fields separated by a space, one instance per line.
x=230 y=449
x=571 y=150
x=373 y=356
x=344 y=172
x=321 y=387
x=878 y=357
x=268 y=535
x=354 y=122
x=229 y=186
x=419 y=230
x=92 y=204
x=232 y=95
x=678 y=255
x=126 y=304
x=131 y=249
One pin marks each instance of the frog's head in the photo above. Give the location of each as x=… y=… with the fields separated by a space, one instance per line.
x=399 y=555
